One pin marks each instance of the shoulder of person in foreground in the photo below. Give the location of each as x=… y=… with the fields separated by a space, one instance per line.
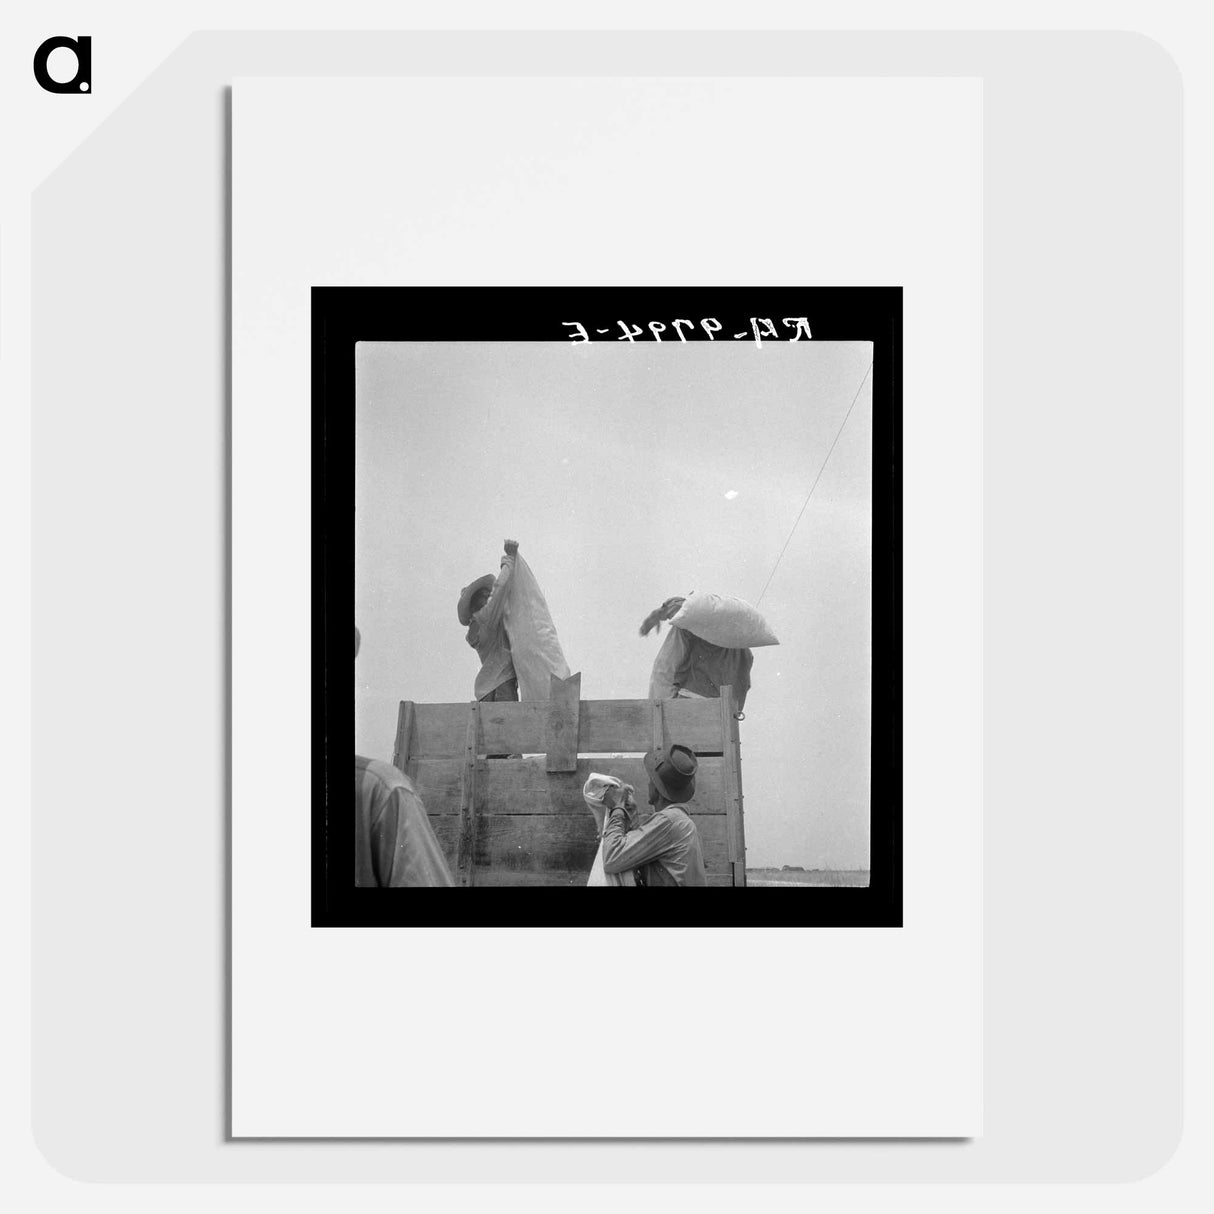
x=405 y=849
x=682 y=824
x=688 y=807
x=378 y=775
x=381 y=784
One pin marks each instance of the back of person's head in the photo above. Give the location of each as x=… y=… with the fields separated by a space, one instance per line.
x=672 y=773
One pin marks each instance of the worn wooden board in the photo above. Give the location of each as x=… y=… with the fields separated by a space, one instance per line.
x=561 y=737
x=512 y=877
x=524 y=824
x=603 y=726
x=557 y=877
x=402 y=751
x=523 y=849
x=541 y=842
x=446 y=831
x=627 y=725
x=733 y=788
x=524 y=786
x=520 y=843
x=465 y=865
x=506 y=728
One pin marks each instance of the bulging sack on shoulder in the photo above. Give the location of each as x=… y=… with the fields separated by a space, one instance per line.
x=721 y=619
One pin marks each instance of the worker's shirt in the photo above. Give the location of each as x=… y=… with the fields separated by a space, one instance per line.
x=487 y=635
x=394 y=844
x=665 y=851
x=705 y=668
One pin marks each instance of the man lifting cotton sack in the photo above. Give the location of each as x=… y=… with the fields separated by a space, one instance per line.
x=708 y=646
x=510 y=628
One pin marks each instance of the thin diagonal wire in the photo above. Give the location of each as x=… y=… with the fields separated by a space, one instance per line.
x=815 y=484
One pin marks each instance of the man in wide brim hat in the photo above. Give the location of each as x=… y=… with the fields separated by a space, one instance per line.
x=481 y=609
x=478 y=591
x=666 y=850
x=672 y=771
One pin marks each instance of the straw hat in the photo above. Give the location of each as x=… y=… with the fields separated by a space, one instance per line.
x=468 y=593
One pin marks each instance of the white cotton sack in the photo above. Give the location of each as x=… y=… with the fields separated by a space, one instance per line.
x=534 y=646
x=721 y=619
x=592 y=792
x=596 y=787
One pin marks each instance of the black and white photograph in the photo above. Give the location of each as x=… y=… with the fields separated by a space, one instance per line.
x=570 y=555
x=623 y=570
x=646 y=450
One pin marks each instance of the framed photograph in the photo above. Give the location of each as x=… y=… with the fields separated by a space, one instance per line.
x=716 y=468
x=606 y=512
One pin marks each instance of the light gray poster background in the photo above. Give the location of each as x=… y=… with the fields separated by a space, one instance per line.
x=1082 y=416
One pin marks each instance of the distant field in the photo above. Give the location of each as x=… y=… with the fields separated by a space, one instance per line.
x=820 y=877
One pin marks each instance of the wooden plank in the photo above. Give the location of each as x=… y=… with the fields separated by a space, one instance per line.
x=524 y=786
x=604 y=726
x=528 y=843
x=558 y=877
x=446 y=831
x=466 y=851
x=561 y=737
x=507 y=857
x=401 y=753
x=712 y=831
x=736 y=841
x=550 y=877
x=507 y=727
x=439 y=782
x=438 y=730
x=694 y=723
x=627 y=725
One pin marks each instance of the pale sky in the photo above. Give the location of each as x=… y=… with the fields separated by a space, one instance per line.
x=629 y=473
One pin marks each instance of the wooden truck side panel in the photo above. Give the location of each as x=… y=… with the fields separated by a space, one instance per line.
x=521 y=819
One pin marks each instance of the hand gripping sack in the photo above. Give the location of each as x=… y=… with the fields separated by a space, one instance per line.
x=721 y=619
x=592 y=793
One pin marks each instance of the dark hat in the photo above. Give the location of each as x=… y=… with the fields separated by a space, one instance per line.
x=465 y=597
x=673 y=771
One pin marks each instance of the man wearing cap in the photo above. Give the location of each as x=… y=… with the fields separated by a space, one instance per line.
x=666 y=850
x=394 y=844
x=481 y=610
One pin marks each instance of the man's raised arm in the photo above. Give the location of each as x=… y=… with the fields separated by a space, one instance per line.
x=490 y=615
